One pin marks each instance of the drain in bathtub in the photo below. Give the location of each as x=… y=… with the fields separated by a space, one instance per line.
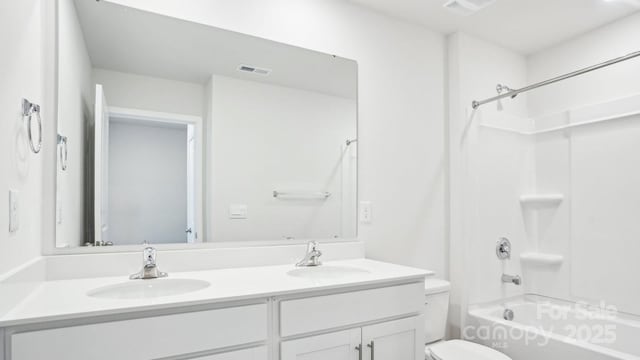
x=508 y=314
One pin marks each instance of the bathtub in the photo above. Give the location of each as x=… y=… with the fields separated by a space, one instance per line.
x=549 y=329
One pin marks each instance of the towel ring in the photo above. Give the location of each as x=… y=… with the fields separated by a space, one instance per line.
x=28 y=110
x=64 y=154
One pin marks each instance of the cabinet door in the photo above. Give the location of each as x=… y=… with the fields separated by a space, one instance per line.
x=259 y=353
x=395 y=340
x=341 y=345
x=146 y=338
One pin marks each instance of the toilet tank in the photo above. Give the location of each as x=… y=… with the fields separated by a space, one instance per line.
x=436 y=309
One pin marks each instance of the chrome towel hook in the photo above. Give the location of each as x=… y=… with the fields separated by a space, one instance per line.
x=30 y=109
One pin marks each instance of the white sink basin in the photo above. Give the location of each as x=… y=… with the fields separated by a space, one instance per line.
x=326 y=272
x=147 y=289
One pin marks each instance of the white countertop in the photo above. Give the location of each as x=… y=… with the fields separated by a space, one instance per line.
x=67 y=299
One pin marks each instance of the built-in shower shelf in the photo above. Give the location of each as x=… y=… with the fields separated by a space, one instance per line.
x=541 y=199
x=541 y=259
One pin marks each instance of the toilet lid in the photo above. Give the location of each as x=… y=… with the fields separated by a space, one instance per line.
x=464 y=350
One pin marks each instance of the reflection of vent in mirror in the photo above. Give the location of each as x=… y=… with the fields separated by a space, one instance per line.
x=254 y=70
x=467 y=7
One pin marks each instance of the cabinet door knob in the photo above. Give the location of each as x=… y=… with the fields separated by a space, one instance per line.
x=373 y=349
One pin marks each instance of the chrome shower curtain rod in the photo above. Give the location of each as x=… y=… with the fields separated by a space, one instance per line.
x=514 y=93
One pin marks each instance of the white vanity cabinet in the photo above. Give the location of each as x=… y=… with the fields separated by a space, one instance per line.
x=392 y=340
x=149 y=337
x=382 y=321
x=387 y=325
x=340 y=345
x=258 y=353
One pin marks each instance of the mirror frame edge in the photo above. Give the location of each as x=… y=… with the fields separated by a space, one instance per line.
x=50 y=124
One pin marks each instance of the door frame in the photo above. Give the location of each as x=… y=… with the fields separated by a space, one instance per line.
x=197 y=123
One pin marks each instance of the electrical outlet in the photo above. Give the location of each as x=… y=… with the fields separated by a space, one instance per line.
x=365 y=212
x=14 y=215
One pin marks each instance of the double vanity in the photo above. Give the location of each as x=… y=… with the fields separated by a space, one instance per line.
x=344 y=309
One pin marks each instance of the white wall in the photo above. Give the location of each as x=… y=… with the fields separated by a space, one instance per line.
x=401 y=124
x=490 y=169
x=606 y=43
x=150 y=93
x=21 y=71
x=147 y=182
x=74 y=111
x=266 y=137
x=595 y=228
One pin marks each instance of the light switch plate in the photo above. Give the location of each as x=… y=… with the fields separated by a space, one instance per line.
x=14 y=215
x=365 y=212
x=238 y=211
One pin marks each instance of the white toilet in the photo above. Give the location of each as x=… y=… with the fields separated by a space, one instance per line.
x=436 y=310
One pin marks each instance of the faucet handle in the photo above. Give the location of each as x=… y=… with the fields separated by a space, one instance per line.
x=149 y=256
x=311 y=258
x=312 y=246
x=503 y=249
x=149 y=266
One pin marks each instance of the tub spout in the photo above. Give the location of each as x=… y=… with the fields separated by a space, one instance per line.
x=508 y=314
x=516 y=280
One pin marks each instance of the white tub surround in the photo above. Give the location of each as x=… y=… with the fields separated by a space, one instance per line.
x=246 y=313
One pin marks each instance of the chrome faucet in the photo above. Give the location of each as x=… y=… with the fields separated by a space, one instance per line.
x=510 y=279
x=312 y=258
x=149 y=266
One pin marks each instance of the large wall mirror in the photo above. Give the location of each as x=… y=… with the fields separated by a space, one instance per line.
x=174 y=132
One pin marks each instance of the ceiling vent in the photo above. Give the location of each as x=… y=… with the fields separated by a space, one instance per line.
x=467 y=7
x=254 y=70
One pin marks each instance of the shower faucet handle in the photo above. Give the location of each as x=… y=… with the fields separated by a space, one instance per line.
x=503 y=249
